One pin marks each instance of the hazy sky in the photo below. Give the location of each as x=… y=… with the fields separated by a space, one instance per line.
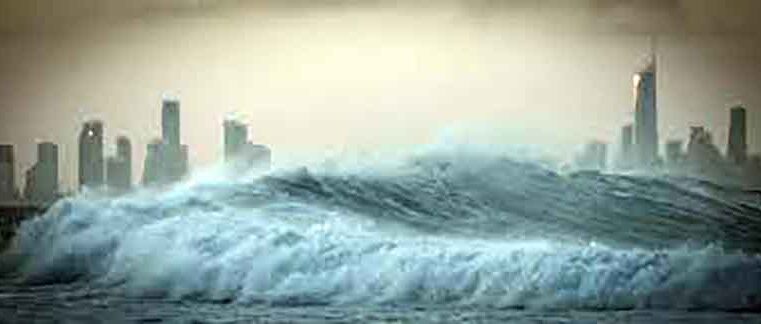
x=314 y=76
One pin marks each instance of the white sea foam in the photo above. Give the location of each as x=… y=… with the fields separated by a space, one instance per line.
x=215 y=240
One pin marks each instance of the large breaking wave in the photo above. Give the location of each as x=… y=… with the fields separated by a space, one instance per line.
x=474 y=230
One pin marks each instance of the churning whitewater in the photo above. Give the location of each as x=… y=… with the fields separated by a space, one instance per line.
x=466 y=230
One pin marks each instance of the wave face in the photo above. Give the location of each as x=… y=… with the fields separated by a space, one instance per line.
x=473 y=230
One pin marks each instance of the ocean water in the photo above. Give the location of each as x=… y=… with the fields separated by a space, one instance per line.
x=434 y=238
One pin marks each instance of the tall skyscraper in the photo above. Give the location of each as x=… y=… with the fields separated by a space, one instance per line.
x=42 y=177
x=47 y=158
x=91 y=160
x=236 y=136
x=124 y=148
x=737 y=148
x=645 y=116
x=167 y=160
x=170 y=122
x=7 y=173
x=119 y=167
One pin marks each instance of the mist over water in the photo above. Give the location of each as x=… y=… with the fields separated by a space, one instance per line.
x=435 y=228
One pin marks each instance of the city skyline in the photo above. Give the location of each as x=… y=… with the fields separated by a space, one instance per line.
x=347 y=78
x=628 y=154
x=167 y=161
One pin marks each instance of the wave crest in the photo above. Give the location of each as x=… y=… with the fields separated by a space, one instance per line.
x=484 y=232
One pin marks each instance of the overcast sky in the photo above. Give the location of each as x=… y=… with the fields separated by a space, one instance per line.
x=316 y=76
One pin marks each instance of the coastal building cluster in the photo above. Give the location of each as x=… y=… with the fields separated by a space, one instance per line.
x=166 y=160
x=639 y=148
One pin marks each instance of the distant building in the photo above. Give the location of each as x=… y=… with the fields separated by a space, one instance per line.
x=170 y=122
x=42 y=177
x=674 y=153
x=240 y=153
x=235 y=137
x=124 y=148
x=702 y=155
x=119 y=167
x=627 y=147
x=258 y=156
x=594 y=156
x=7 y=173
x=167 y=160
x=91 y=160
x=174 y=156
x=151 y=166
x=172 y=163
x=737 y=148
x=124 y=155
x=646 y=120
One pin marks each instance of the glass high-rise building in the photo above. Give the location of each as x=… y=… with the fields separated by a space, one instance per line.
x=119 y=167
x=42 y=177
x=151 y=166
x=235 y=137
x=627 y=146
x=7 y=173
x=242 y=154
x=170 y=122
x=737 y=148
x=167 y=159
x=645 y=116
x=91 y=159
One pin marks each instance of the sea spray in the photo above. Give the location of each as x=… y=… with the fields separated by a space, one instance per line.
x=462 y=230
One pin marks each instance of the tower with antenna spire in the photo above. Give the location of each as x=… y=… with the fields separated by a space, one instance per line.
x=645 y=110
